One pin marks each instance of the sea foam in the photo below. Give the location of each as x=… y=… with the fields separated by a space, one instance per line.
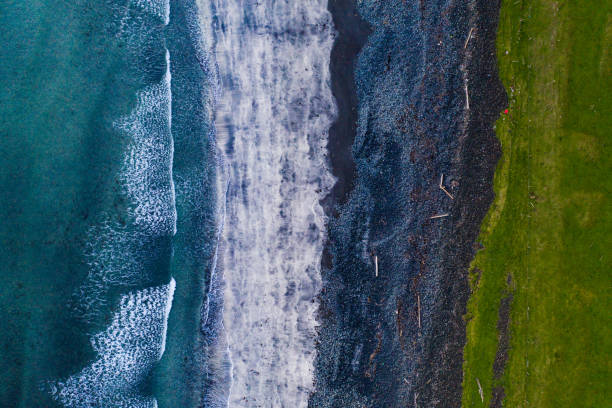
x=159 y=8
x=274 y=109
x=126 y=350
x=114 y=251
x=147 y=169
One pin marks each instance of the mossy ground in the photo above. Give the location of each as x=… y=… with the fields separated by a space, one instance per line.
x=549 y=227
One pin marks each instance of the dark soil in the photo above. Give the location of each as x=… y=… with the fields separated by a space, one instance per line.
x=498 y=396
x=501 y=357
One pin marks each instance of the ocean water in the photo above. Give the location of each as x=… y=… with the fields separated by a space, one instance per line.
x=90 y=209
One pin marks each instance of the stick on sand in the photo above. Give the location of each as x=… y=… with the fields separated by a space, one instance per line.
x=376 y=264
x=444 y=189
x=468 y=38
x=419 y=309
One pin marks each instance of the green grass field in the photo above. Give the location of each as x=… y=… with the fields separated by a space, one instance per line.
x=550 y=226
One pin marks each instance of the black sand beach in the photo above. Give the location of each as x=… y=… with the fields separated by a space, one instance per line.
x=395 y=279
x=480 y=152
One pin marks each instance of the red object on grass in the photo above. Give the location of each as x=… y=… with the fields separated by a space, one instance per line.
x=506 y=111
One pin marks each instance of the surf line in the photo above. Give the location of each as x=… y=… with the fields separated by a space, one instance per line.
x=273 y=111
x=123 y=358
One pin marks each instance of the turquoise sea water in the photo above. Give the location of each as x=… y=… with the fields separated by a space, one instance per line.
x=89 y=206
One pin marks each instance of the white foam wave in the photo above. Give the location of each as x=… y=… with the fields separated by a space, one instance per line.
x=274 y=109
x=147 y=169
x=159 y=8
x=126 y=350
x=171 y=288
x=113 y=249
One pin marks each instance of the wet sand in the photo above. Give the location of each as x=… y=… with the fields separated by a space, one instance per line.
x=352 y=33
